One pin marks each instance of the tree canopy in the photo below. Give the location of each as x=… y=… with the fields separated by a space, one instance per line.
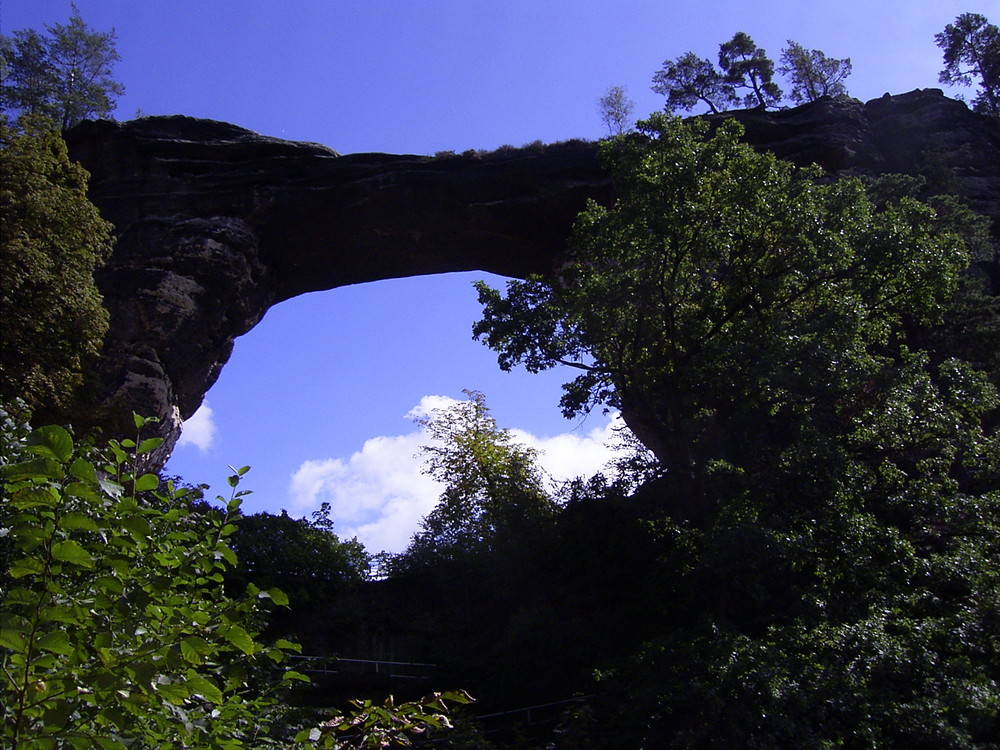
x=747 y=66
x=690 y=80
x=831 y=490
x=813 y=74
x=52 y=238
x=64 y=75
x=494 y=490
x=971 y=48
x=615 y=109
x=726 y=293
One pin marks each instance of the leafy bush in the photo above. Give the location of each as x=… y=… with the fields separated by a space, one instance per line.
x=115 y=624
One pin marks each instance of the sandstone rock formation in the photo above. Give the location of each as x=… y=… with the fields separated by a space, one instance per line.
x=215 y=223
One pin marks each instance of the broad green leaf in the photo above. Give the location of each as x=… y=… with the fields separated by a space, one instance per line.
x=291 y=674
x=68 y=615
x=83 y=469
x=141 y=422
x=57 y=642
x=25 y=566
x=241 y=639
x=174 y=692
x=12 y=639
x=57 y=714
x=38 y=468
x=278 y=596
x=193 y=648
x=223 y=551
x=138 y=525
x=149 y=444
x=196 y=684
x=77 y=522
x=70 y=552
x=119 y=455
x=52 y=442
x=34 y=497
x=83 y=490
x=147 y=482
x=110 y=584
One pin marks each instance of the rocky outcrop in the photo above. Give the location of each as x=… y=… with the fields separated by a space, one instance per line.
x=215 y=223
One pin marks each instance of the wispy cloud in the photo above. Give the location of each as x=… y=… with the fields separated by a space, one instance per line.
x=199 y=430
x=380 y=494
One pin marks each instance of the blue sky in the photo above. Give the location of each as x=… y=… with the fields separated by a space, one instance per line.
x=316 y=397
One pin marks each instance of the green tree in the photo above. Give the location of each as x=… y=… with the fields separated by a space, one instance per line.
x=494 y=489
x=971 y=48
x=304 y=558
x=812 y=73
x=690 y=79
x=745 y=65
x=727 y=301
x=64 y=76
x=615 y=109
x=764 y=331
x=51 y=240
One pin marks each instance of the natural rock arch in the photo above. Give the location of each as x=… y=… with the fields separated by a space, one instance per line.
x=215 y=223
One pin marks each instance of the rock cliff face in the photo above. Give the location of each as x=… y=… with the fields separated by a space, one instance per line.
x=215 y=223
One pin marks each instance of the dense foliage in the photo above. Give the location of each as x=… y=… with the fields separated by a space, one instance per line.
x=728 y=301
x=116 y=629
x=62 y=76
x=51 y=239
x=829 y=515
x=115 y=623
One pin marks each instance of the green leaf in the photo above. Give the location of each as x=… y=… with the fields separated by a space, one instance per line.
x=278 y=596
x=83 y=469
x=82 y=490
x=148 y=445
x=38 y=468
x=241 y=639
x=68 y=615
x=25 y=566
x=193 y=649
x=198 y=685
x=110 y=584
x=57 y=642
x=174 y=692
x=138 y=526
x=34 y=497
x=291 y=674
x=224 y=551
x=147 y=482
x=52 y=442
x=77 y=522
x=12 y=639
x=69 y=551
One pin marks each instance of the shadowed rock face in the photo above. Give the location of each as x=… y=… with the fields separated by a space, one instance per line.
x=215 y=223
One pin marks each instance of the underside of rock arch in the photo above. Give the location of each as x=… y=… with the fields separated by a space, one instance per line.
x=215 y=223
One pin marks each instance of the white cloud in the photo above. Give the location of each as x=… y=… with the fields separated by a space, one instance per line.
x=199 y=430
x=380 y=494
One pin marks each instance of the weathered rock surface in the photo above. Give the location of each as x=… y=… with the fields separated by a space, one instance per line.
x=215 y=223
